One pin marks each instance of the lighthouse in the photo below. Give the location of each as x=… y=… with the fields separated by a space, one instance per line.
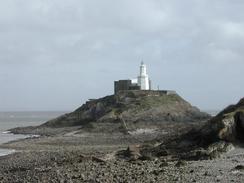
x=143 y=78
x=142 y=82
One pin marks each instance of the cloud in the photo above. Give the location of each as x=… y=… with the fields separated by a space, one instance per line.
x=96 y=40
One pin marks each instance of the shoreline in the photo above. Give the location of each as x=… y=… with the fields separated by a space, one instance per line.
x=4 y=151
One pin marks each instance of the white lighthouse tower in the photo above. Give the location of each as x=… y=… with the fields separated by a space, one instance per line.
x=143 y=78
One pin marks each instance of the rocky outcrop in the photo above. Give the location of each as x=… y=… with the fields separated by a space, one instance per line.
x=209 y=141
x=228 y=125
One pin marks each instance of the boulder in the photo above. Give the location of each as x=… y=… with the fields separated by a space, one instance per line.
x=132 y=153
x=228 y=125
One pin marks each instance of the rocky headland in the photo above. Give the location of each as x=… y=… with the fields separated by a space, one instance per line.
x=126 y=111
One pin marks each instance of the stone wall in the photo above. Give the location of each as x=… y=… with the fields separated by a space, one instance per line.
x=122 y=85
x=147 y=92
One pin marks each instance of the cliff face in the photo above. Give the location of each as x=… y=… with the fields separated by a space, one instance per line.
x=228 y=125
x=132 y=107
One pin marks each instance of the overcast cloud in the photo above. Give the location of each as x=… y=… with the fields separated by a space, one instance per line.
x=56 y=54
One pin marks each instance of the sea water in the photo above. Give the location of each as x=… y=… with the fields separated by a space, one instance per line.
x=10 y=120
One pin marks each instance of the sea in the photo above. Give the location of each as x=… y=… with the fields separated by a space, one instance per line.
x=10 y=120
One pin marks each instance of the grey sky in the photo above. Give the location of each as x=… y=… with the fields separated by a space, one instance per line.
x=56 y=54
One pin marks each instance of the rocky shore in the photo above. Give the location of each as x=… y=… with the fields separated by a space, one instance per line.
x=168 y=151
x=89 y=157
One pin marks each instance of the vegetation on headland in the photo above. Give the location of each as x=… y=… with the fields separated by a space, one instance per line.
x=132 y=107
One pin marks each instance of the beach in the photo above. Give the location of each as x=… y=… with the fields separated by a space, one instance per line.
x=91 y=157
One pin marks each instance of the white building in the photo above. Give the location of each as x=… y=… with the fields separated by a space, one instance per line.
x=143 y=79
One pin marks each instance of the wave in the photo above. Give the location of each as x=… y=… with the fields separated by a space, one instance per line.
x=5 y=152
x=6 y=132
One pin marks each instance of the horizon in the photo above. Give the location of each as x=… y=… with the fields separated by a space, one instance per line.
x=42 y=111
x=55 y=55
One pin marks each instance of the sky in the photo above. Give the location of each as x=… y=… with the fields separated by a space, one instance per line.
x=55 y=55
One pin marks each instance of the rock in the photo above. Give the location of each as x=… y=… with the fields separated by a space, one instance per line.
x=98 y=160
x=210 y=140
x=162 y=153
x=226 y=126
x=181 y=163
x=206 y=174
x=132 y=153
x=145 y=157
x=240 y=167
x=163 y=164
x=157 y=172
x=216 y=149
x=177 y=179
x=198 y=154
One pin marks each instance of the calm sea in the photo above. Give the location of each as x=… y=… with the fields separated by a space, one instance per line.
x=10 y=120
